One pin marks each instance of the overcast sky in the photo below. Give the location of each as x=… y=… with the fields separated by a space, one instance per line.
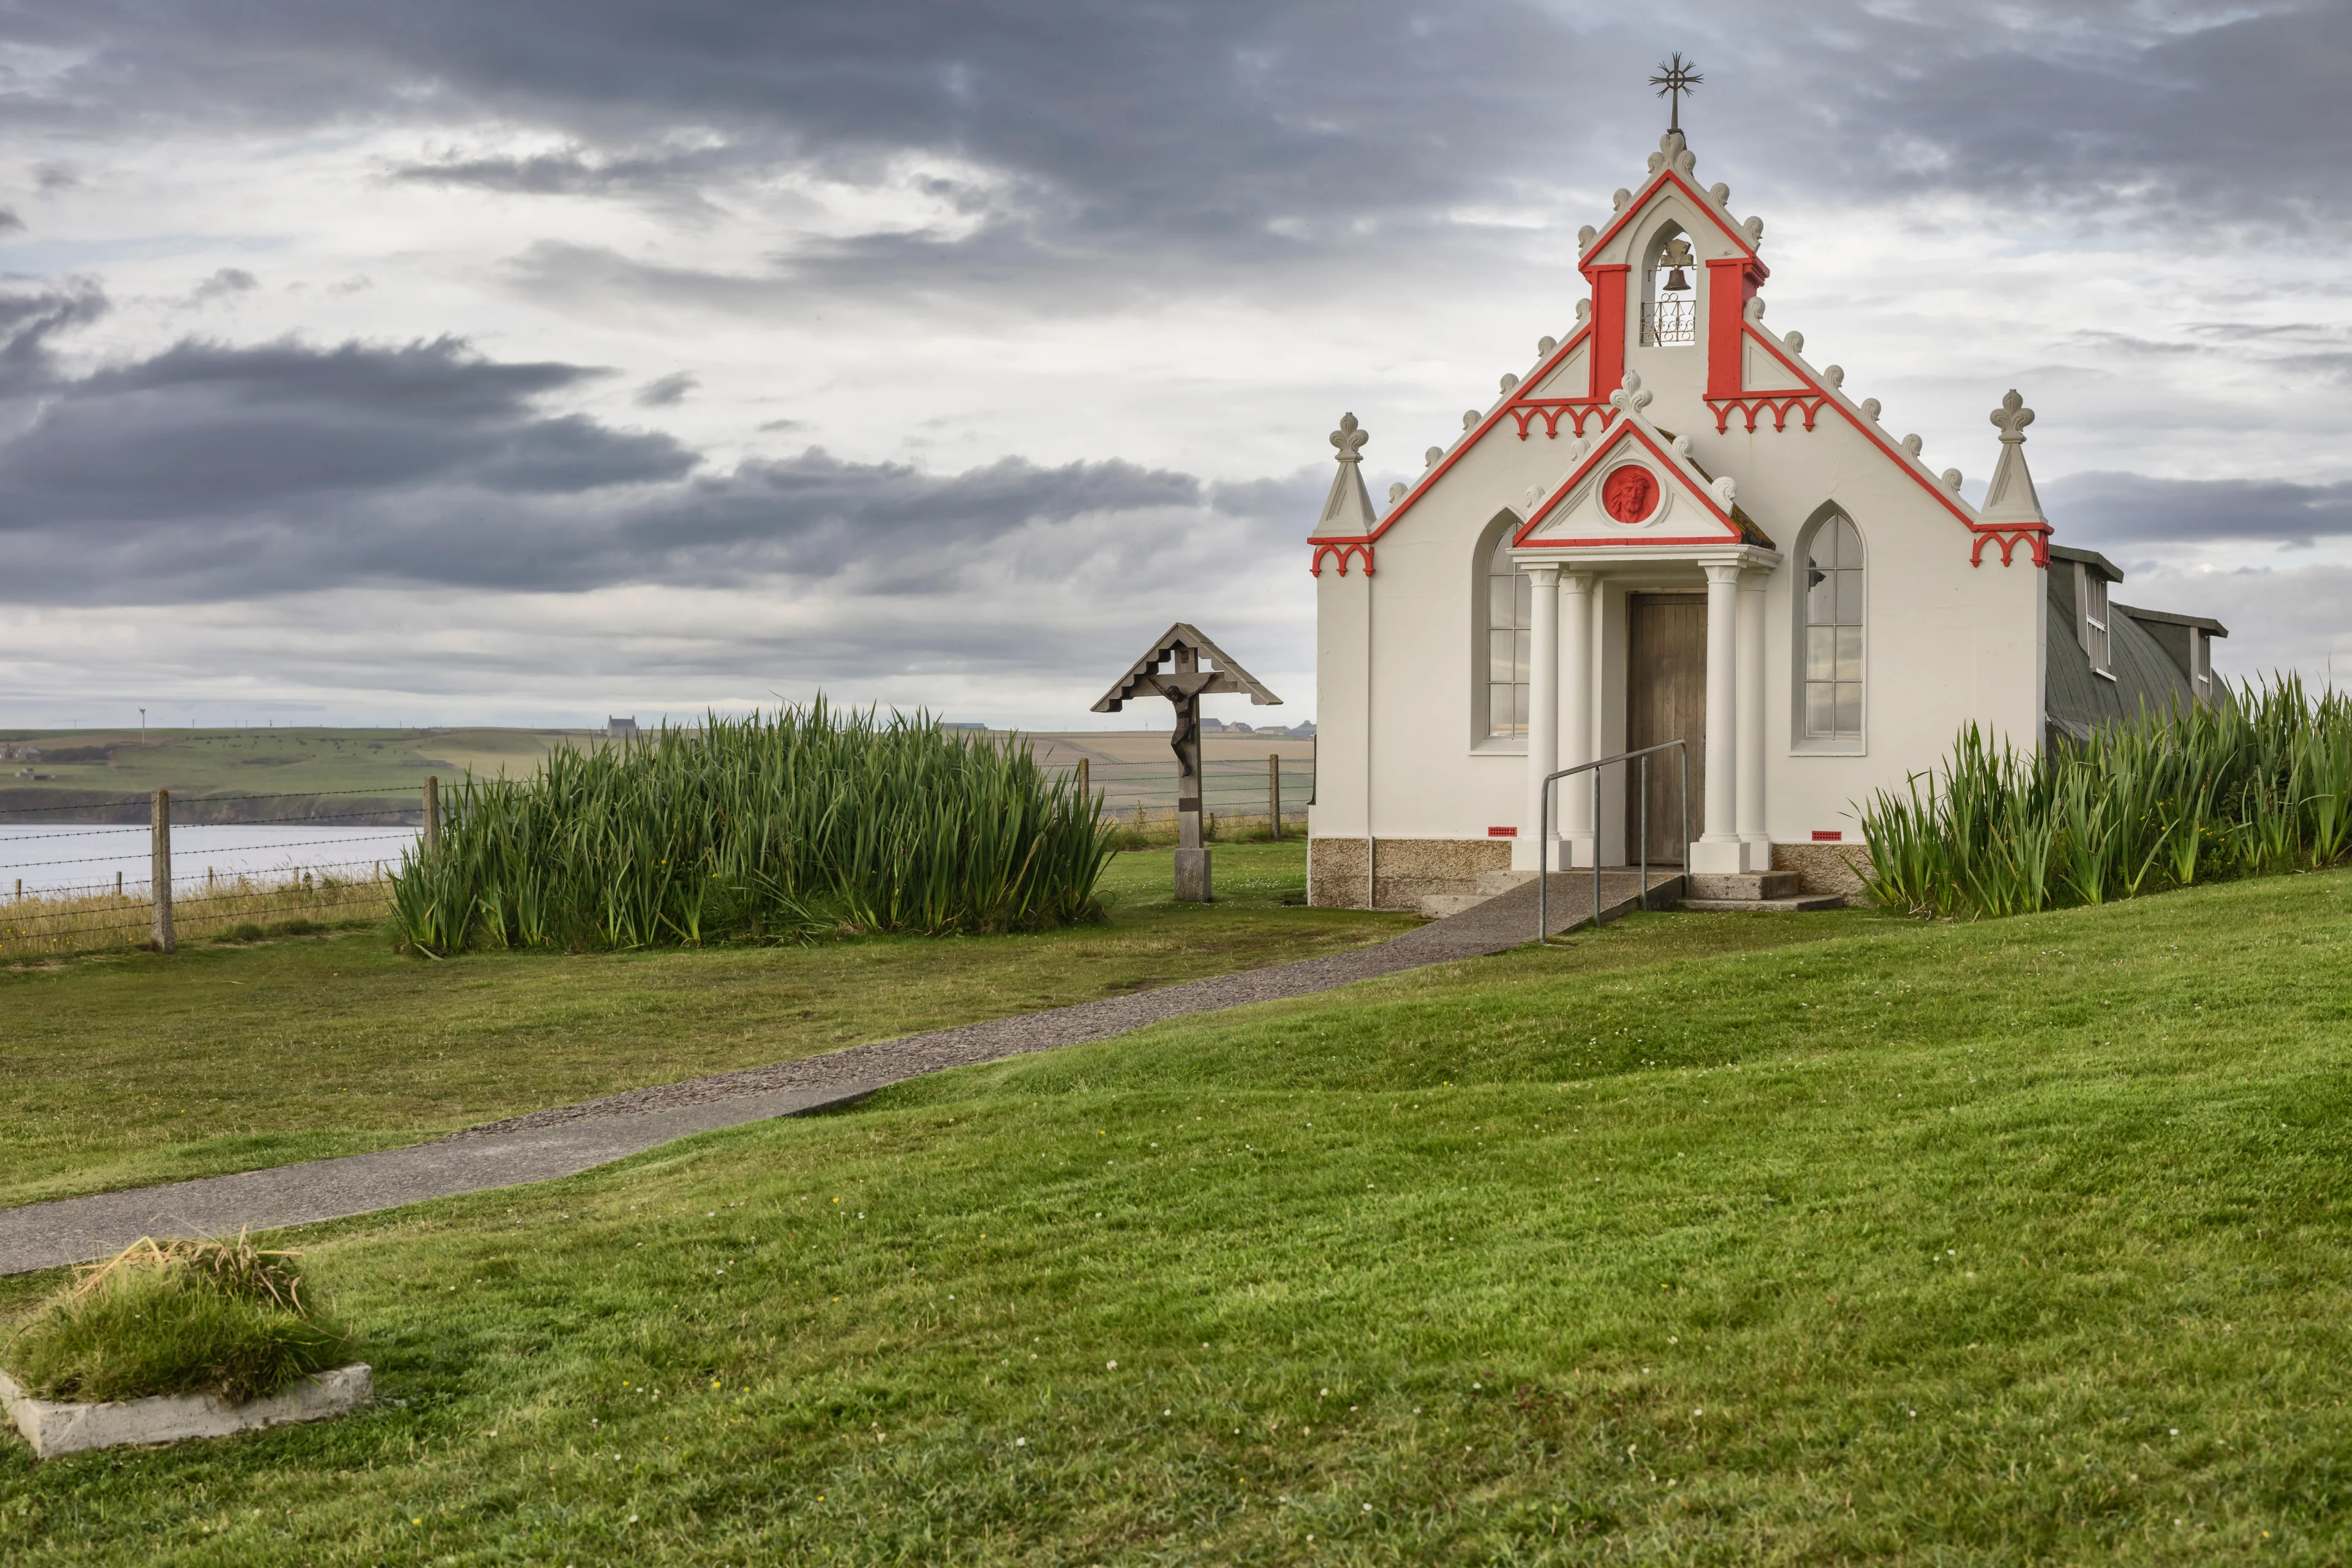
x=518 y=361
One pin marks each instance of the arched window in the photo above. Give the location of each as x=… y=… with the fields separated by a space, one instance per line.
x=1509 y=618
x=1670 y=291
x=1831 y=653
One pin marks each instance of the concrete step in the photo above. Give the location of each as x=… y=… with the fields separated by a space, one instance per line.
x=1437 y=906
x=1746 y=885
x=1490 y=883
x=1765 y=906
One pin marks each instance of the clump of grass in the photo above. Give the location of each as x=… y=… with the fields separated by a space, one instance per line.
x=2256 y=784
x=180 y=1317
x=784 y=827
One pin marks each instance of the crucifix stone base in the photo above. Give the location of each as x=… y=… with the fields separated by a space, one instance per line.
x=1192 y=859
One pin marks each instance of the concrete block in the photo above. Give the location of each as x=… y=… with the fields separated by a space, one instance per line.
x=1192 y=875
x=53 y=1428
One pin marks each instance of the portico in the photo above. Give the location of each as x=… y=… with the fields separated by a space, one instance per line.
x=1573 y=688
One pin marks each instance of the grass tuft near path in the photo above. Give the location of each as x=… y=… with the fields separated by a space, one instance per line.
x=180 y=1317
x=1849 y=1240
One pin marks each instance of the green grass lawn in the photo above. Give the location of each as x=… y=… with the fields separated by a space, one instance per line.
x=1703 y=1240
x=132 y=1068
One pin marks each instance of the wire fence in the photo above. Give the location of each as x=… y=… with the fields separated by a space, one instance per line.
x=1238 y=793
x=317 y=883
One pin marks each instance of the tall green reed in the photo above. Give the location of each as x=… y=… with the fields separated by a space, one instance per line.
x=2259 y=784
x=772 y=827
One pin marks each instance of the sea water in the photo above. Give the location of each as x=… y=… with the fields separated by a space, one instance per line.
x=58 y=856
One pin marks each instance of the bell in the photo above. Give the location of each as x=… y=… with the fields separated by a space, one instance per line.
x=1676 y=283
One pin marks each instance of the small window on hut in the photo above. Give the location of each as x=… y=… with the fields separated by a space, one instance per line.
x=2091 y=592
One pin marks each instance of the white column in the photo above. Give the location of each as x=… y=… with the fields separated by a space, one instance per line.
x=1529 y=853
x=1578 y=592
x=1755 y=838
x=1718 y=849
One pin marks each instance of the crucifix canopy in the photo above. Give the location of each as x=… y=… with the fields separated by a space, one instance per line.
x=1184 y=647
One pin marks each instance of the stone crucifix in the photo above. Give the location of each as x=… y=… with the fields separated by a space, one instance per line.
x=1196 y=668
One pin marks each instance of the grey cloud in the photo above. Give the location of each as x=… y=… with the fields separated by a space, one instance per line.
x=227 y=281
x=1254 y=132
x=2115 y=509
x=210 y=470
x=663 y=391
x=31 y=316
x=248 y=448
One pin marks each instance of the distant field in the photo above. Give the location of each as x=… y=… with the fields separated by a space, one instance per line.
x=106 y=775
x=93 y=767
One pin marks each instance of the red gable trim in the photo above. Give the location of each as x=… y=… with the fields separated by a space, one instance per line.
x=1737 y=236
x=2038 y=532
x=1396 y=512
x=1626 y=432
x=1340 y=551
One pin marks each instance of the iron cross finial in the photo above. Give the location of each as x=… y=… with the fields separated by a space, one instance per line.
x=1676 y=77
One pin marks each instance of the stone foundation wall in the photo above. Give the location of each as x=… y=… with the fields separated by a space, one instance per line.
x=1826 y=868
x=1406 y=870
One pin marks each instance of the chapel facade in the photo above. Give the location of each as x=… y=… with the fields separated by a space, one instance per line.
x=1675 y=527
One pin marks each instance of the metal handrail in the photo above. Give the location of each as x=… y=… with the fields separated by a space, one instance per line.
x=1543 y=842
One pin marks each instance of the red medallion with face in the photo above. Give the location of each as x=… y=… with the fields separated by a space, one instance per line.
x=1629 y=494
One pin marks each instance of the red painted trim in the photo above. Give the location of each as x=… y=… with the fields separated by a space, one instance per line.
x=1607 y=356
x=1779 y=403
x=1551 y=409
x=1340 y=549
x=1730 y=284
x=2038 y=532
x=2009 y=538
x=1626 y=434
x=1737 y=236
x=1542 y=373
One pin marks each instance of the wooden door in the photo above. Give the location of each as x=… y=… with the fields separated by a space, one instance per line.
x=1666 y=699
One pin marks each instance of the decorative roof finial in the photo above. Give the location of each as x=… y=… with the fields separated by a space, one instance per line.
x=2010 y=496
x=1676 y=77
x=1349 y=437
x=1348 y=508
x=2011 y=417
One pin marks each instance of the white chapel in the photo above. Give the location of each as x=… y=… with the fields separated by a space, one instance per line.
x=1676 y=527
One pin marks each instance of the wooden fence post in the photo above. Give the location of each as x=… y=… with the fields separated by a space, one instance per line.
x=1086 y=781
x=1274 y=793
x=160 y=870
x=431 y=812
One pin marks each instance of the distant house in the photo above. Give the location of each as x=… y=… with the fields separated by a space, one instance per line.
x=620 y=729
x=964 y=724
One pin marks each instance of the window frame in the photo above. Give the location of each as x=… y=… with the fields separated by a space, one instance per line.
x=1493 y=537
x=1800 y=622
x=2096 y=632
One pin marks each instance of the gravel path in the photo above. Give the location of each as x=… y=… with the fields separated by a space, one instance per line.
x=566 y=1140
